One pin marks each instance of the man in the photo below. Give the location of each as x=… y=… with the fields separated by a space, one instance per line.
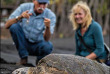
x=31 y=26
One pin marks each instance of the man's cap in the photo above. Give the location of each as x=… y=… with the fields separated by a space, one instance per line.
x=43 y=1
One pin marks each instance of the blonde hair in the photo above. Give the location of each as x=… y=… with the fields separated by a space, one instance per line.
x=87 y=19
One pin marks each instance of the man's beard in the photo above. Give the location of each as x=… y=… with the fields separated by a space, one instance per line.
x=40 y=9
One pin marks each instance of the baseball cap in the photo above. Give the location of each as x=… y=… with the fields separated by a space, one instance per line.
x=43 y=1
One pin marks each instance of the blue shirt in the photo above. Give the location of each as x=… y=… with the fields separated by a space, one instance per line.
x=93 y=38
x=35 y=28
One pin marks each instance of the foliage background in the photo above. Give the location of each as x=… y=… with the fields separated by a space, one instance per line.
x=100 y=10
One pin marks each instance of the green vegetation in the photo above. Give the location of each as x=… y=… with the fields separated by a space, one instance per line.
x=103 y=9
x=8 y=2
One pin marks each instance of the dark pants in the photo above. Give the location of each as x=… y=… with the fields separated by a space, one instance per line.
x=25 y=48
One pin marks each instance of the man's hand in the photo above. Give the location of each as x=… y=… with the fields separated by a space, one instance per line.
x=47 y=22
x=14 y=20
x=26 y=14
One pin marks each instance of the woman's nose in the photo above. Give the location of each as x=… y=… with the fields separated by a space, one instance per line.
x=76 y=16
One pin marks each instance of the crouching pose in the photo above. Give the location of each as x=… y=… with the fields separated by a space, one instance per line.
x=31 y=26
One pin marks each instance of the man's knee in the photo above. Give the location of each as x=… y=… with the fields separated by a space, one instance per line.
x=47 y=47
x=13 y=27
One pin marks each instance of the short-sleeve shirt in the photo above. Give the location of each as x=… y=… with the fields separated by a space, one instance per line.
x=35 y=28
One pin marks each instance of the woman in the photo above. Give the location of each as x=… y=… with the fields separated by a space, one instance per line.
x=90 y=31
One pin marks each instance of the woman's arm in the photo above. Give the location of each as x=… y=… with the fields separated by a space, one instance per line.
x=98 y=40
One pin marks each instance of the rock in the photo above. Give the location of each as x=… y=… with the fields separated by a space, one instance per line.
x=2 y=60
x=65 y=64
x=6 y=67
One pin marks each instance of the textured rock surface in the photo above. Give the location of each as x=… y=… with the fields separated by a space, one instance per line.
x=65 y=64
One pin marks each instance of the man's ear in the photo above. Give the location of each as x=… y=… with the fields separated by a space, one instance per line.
x=33 y=0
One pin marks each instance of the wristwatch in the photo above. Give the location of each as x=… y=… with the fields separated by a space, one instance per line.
x=17 y=18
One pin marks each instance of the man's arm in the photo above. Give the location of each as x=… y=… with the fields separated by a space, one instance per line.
x=47 y=33
x=15 y=20
x=49 y=24
x=12 y=21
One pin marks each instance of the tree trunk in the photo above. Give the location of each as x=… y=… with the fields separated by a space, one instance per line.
x=106 y=24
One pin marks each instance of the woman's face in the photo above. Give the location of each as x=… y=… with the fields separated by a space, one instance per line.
x=79 y=16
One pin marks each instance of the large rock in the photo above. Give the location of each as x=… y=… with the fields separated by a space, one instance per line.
x=65 y=64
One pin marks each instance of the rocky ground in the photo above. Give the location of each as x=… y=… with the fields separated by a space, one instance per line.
x=9 y=55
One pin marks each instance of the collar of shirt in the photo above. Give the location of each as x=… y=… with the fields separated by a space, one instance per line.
x=79 y=29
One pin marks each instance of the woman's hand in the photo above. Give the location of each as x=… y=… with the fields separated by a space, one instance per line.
x=92 y=56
